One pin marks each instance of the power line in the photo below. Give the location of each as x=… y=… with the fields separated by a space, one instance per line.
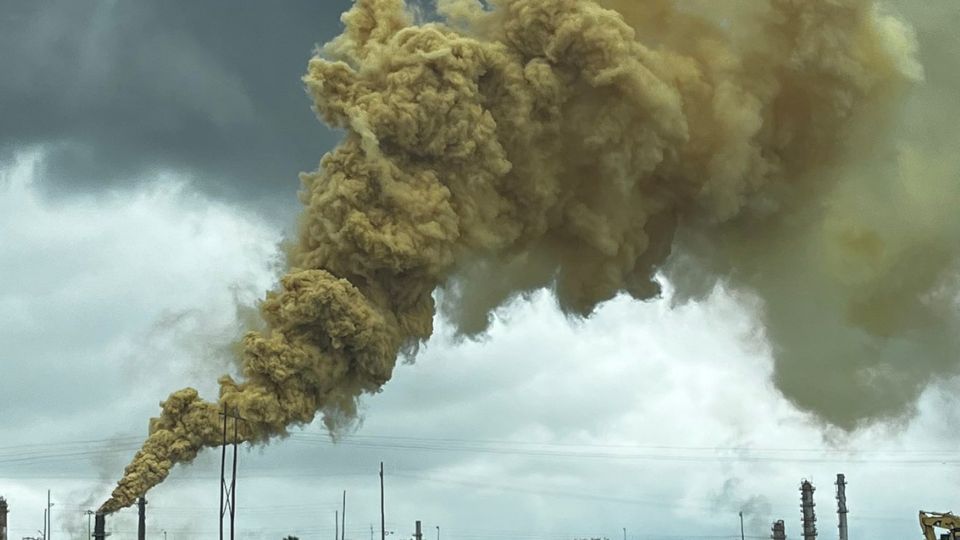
x=456 y=443
x=68 y=453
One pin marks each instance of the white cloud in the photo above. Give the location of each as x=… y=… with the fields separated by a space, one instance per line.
x=106 y=303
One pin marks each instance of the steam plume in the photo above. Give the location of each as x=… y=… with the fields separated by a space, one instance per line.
x=570 y=144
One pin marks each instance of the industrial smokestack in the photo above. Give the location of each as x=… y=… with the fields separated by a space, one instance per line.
x=842 y=505
x=142 y=523
x=3 y=518
x=100 y=526
x=806 y=508
x=779 y=531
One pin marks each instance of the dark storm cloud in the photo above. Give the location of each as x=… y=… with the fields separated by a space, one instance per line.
x=117 y=90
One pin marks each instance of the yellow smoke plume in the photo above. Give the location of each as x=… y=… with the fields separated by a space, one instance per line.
x=580 y=145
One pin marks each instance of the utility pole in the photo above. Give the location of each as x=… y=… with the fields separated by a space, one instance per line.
x=842 y=505
x=371 y=531
x=807 y=510
x=336 y=525
x=383 y=522
x=45 y=514
x=418 y=535
x=624 y=533
x=48 y=524
x=438 y=532
x=741 y=525
x=89 y=514
x=343 y=518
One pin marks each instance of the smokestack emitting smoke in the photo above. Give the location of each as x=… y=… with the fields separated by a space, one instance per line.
x=141 y=518
x=575 y=145
x=100 y=526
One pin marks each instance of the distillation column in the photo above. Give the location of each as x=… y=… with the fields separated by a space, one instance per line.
x=3 y=518
x=842 y=505
x=779 y=531
x=807 y=510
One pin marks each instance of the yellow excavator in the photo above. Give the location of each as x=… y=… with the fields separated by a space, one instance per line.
x=936 y=520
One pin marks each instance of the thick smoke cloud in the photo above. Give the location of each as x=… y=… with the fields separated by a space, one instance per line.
x=587 y=146
x=857 y=283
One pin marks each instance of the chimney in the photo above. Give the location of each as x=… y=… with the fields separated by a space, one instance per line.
x=419 y=534
x=100 y=526
x=806 y=508
x=142 y=523
x=842 y=505
x=3 y=518
x=779 y=532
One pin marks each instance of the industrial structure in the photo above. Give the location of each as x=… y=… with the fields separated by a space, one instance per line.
x=100 y=526
x=228 y=491
x=807 y=511
x=842 y=506
x=142 y=518
x=779 y=532
x=3 y=518
x=935 y=525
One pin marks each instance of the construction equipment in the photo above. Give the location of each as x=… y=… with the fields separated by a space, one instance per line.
x=947 y=520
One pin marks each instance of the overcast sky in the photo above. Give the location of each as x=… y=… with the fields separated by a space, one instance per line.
x=148 y=173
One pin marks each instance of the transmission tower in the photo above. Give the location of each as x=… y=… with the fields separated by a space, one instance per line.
x=228 y=493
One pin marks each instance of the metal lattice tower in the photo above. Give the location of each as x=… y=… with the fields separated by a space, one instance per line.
x=842 y=505
x=779 y=531
x=807 y=511
x=228 y=491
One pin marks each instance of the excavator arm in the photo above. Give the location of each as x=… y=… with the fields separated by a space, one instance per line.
x=929 y=521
